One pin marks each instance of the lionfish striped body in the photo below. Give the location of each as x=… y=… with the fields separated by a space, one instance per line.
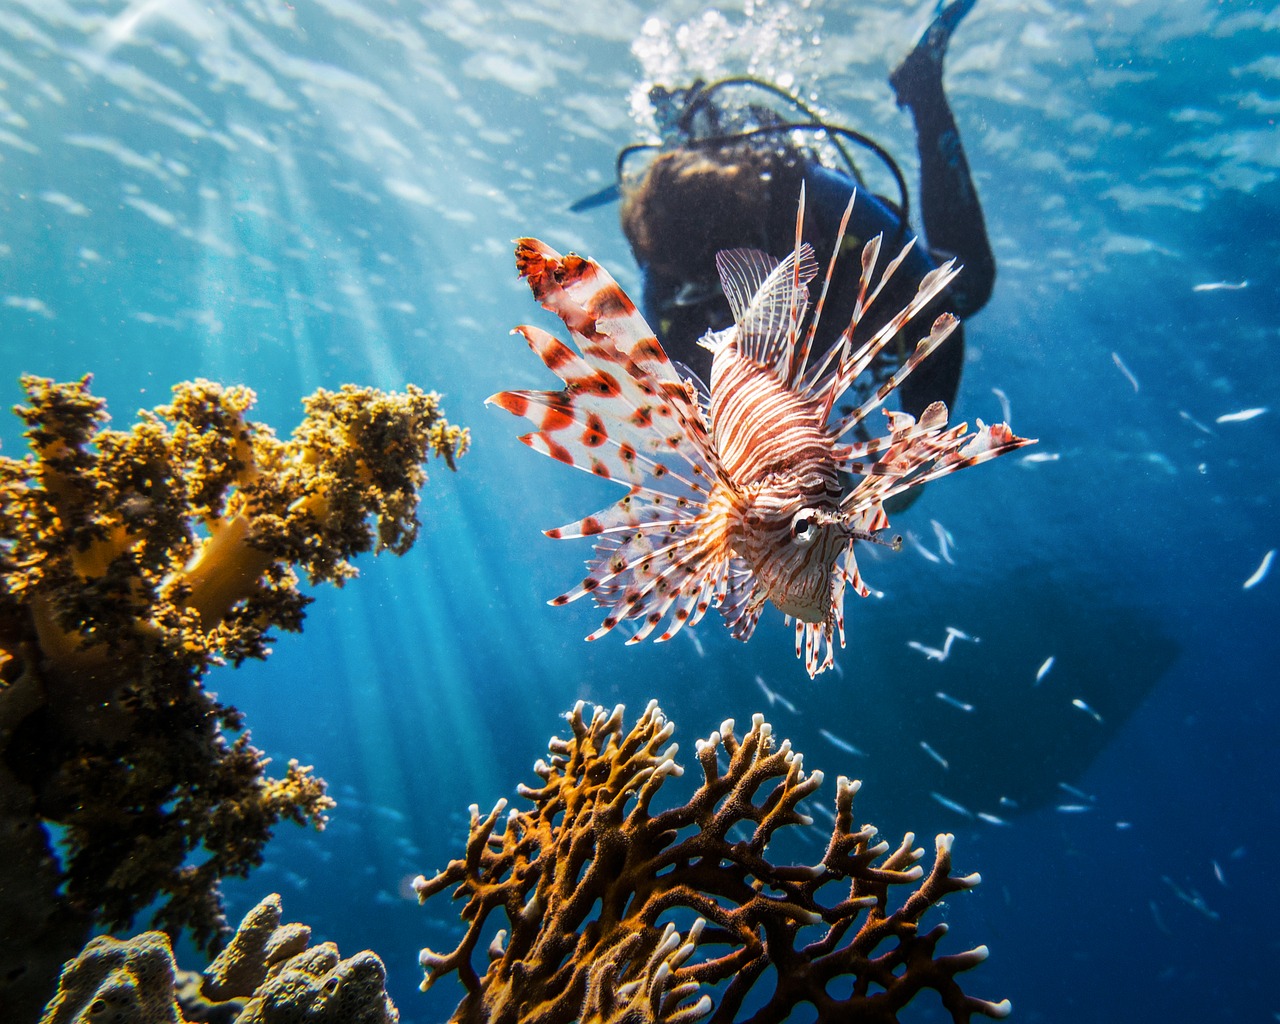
x=739 y=500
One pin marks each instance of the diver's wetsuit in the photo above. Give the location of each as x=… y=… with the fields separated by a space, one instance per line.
x=952 y=214
x=697 y=199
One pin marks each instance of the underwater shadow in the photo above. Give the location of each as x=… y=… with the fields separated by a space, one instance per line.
x=1010 y=742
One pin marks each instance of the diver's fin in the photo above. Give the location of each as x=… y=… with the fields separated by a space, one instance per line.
x=608 y=194
x=924 y=63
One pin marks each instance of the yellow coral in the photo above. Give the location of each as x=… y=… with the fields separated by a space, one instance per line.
x=267 y=975
x=132 y=561
x=129 y=982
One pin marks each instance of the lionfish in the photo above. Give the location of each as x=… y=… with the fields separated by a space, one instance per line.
x=746 y=496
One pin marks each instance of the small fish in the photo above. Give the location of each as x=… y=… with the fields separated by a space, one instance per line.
x=948 y=699
x=951 y=805
x=935 y=755
x=737 y=500
x=1043 y=670
x=1260 y=573
x=825 y=811
x=840 y=744
x=1079 y=794
x=936 y=654
x=991 y=819
x=1221 y=286
x=1218 y=873
x=1123 y=826
x=1009 y=802
x=1037 y=457
x=697 y=644
x=932 y=653
x=1073 y=808
x=1191 y=897
x=1115 y=358
x=1005 y=409
x=915 y=543
x=773 y=696
x=1242 y=416
x=1077 y=702
x=945 y=541
x=1195 y=422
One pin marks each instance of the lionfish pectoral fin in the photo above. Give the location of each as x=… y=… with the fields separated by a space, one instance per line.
x=592 y=305
x=649 y=577
x=744 y=600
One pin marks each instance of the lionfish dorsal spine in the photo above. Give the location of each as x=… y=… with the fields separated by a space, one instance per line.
x=942 y=329
x=852 y=365
x=800 y=359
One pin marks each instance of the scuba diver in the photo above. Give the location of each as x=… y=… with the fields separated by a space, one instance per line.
x=728 y=175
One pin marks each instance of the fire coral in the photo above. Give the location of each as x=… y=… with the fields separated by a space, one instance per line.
x=130 y=563
x=595 y=889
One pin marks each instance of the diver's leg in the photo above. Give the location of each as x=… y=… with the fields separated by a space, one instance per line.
x=950 y=209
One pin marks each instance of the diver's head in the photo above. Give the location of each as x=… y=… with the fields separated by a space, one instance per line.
x=691 y=203
x=688 y=205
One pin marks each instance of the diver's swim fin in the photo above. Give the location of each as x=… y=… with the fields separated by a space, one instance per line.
x=608 y=194
x=921 y=70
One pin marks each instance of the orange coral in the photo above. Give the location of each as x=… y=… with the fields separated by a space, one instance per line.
x=131 y=562
x=594 y=885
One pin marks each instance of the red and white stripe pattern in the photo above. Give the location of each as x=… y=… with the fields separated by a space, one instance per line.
x=740 y=502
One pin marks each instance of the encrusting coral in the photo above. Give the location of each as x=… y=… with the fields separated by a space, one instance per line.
x=595 y=889
x=266 y=975
x=131 y=562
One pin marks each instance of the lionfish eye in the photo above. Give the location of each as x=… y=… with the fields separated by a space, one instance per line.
x=803 y=526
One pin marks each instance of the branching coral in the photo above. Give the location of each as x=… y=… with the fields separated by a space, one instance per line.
x=131 y=562
x=266 y=975
x=593 y=886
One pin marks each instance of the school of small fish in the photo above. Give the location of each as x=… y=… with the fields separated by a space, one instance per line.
x=738 y=500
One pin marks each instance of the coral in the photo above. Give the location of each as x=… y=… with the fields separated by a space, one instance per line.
x=594 y=885
x=131 y=563
x=130 y=982
x=318 y=987
x=266 y=975
x=259 y=944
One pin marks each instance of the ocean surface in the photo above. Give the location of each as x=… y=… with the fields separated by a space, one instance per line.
x=300 y=194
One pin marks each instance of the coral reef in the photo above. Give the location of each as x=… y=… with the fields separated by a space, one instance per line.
x=131 y=562
x=266 y=975
x=595 y=888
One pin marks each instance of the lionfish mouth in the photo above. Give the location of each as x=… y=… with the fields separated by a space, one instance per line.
x=843 y=524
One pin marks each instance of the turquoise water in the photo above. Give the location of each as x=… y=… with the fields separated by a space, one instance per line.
x=292 y=195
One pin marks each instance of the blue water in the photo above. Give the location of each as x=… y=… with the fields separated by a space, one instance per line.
x=291 y=195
